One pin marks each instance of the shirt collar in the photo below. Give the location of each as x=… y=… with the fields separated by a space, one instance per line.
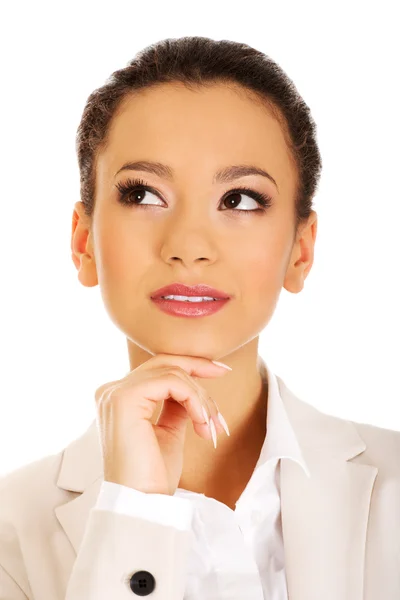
x=280 y=440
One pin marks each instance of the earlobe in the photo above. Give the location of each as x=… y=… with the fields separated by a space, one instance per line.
x=294 y=282
x=86 y=267
x=87 y=272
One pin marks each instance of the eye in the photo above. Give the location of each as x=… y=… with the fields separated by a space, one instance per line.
x=133 y=188
x=133 y=191
x=234 y=196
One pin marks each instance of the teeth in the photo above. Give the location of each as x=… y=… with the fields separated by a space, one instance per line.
x=189 y=298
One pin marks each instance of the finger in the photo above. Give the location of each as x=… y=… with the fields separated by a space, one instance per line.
x=211 y=410
x=210 y=406
x=174 y=417
x=189 y=400
x=193 y=365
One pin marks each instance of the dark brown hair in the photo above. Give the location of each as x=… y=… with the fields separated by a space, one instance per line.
x=197 y=62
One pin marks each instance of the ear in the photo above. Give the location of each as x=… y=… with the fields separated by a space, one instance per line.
x=302 y=255
x=81 y=247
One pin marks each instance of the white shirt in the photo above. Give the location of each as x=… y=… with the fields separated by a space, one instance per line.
x=235 y=554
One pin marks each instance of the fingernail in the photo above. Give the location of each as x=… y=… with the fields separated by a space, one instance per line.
x=205 y=415
x=213 y=433
x=220 y=364
x=223 y=423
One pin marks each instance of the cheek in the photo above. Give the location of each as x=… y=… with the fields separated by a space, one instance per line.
x=121 y=250
x=261 y=267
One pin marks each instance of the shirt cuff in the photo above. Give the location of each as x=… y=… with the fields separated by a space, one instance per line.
x=159 y=508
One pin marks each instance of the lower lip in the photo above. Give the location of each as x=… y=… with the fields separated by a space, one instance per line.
x=190 y=309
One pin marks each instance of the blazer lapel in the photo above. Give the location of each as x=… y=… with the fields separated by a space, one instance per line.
x=324 y=517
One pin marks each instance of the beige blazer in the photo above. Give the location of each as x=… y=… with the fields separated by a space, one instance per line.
x=341 y=527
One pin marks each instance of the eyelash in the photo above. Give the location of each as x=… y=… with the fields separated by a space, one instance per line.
x=132 y=185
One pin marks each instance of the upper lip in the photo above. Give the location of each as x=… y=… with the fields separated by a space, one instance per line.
x=180 y=289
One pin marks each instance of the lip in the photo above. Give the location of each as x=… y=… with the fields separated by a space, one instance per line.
x=180 y=289
x=190 y=309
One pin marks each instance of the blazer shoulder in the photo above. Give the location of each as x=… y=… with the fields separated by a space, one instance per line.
x=377 y=434
x=383 y=447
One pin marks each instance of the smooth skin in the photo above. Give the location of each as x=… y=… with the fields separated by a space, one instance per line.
x=189 y=235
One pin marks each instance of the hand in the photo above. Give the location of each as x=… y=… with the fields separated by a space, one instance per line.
x=148 y=457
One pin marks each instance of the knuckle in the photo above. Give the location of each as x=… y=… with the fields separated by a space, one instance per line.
x=104 y=392
x=114 y=393
x=99 y=393
x=176 y=373
x=175 y=369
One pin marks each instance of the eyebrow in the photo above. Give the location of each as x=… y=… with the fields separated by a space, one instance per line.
x=222 y=176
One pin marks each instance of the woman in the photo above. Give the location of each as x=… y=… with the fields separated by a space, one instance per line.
x=198 y=164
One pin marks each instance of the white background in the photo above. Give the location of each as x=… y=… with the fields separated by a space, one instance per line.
x=336 y=344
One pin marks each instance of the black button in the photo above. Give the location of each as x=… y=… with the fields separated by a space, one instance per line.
x=142 y=583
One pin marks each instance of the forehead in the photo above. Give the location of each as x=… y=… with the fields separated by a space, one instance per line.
x=196 y=132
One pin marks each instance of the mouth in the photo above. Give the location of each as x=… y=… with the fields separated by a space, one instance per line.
x=190 y=308
x=181 y=292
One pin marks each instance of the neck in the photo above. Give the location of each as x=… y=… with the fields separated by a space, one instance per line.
x=224 y=472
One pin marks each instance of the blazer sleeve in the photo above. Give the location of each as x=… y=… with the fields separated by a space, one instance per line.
x=14 y=584
x=141 y=549
x=115 y=549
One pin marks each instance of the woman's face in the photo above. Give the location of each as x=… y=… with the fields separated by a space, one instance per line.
x=184 y=230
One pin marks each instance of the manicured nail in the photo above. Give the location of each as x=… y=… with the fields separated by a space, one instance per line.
x=223 y=423
x=220 y=364
x=213 y=433
x=205 y=415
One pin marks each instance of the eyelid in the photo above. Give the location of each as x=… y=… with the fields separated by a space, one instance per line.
x=138 y=181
